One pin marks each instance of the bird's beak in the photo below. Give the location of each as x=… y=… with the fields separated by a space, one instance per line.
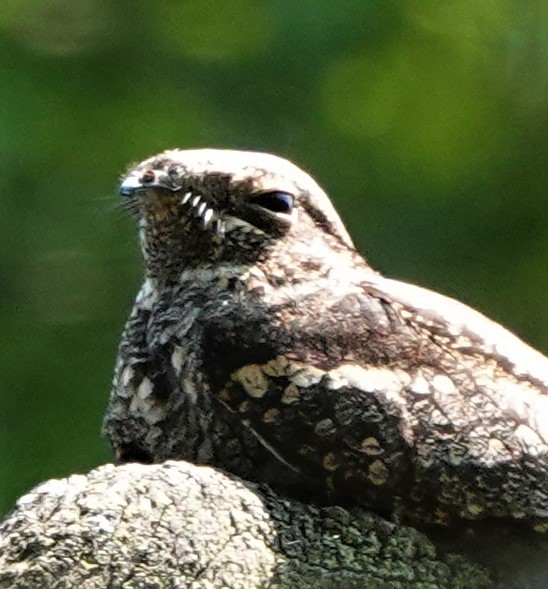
x=133 y=185
x=129 y=186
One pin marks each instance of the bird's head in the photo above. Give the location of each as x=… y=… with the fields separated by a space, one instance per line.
x=207 y=207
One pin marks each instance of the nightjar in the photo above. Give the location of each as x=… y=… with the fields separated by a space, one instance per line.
x=262 y=343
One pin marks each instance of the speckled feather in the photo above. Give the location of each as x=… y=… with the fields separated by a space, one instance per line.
x=263 y=343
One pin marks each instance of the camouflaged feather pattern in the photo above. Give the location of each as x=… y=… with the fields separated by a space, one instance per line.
x=262 y=342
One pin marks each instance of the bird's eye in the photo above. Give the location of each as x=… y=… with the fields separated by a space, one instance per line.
x=276 y=202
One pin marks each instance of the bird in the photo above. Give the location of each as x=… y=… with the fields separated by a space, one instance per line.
x=263 y=343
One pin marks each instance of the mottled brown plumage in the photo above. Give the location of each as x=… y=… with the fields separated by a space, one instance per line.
x=261 y=342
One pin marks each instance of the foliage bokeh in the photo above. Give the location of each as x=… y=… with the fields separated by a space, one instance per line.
x=426 y=121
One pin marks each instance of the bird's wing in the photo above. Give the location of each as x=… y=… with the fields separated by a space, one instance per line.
x=438 y=312
x=431 y=401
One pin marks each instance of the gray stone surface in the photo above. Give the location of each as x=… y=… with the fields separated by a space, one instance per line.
x=178 y=525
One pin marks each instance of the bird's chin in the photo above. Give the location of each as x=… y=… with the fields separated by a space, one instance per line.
x=171 y=240
x=164 y=211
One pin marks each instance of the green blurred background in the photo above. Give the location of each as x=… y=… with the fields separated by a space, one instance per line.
x=426 y=120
